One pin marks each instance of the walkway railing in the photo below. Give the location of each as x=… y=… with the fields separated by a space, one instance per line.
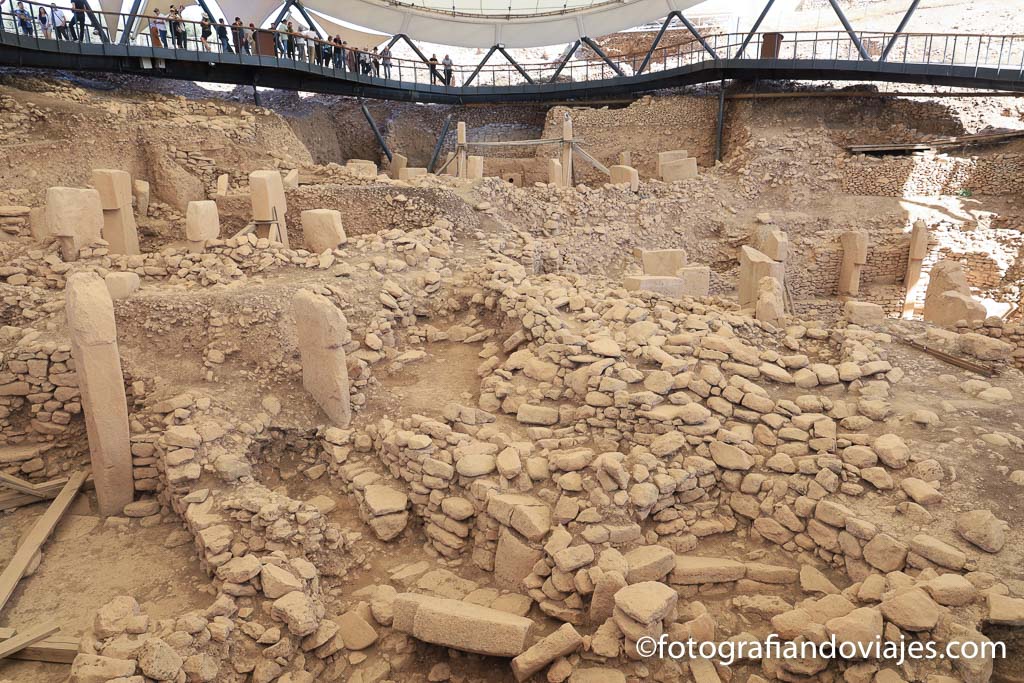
x=168 y=38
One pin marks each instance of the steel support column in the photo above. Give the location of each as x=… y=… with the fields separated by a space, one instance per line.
x=849 y=29
x=657 y=39
x=600 y=53
x=899 y=30
x=129 y=24
x=282 y=14
x=521 y=70
x=479 y=66
x=565 y=60
x=440 y=143
x=753 y=30
x=721 y=121
x=376 y=133
x=305 y=15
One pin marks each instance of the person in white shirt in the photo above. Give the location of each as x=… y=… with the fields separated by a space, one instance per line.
x=59 y=21
x=310 y=35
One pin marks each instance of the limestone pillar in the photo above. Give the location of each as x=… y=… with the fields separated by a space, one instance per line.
x=140 y=188
x=567 y=141
x=398 y=162
x=322 y=230
x=119 y=228
x=625 y=158
x=291 y=179
x=555 y=172
x=682 y=169
x=269 y=203
x=622 y=175
x=202 y=223
x=74 y=217
x=671 y=156
x=755 y=265
x=855 y=255
x=475 y=167
x=322 y=331
x=90 y=314
x=770 y=305
x=460 y=150
x=912 y=280
x=223 y=183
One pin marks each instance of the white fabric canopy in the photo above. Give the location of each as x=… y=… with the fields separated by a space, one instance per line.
x=255 y=11
x=515 y=29
x=352 y=36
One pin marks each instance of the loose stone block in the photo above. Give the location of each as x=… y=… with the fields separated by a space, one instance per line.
x=411 y=172
x=322 y=331
x=90 y=314
x=622 y=175
x=669 y=157
x=665 y=262
x=948 y=298
x=223 y=181
x=683 y=169
x=667 y=286
x=774 y=244
x=755 y=265
x=322 y=230
x=269 y=202
x=121 y=285
x=362 y=168
x=770 y=302
x=562 y=642
x=398 y=162
x=461 y=625
x=74 y=214
x=863 y=313
x=291 y=179
x=695 y=280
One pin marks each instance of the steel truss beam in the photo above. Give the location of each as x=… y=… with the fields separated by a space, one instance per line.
x=376 y=133
x=305 y=15
x=899 y=30
x=521 y=70
x=415 y=48
x=664 y=27
x=565 y=60
x=849 y=30
x=129 y=25
x=600 y=53
x=753 y=29
x=480 y=66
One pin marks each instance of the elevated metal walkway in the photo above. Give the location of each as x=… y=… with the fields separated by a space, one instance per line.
x=967 y=61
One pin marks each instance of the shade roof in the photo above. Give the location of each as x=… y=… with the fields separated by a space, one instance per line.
x=513 y=23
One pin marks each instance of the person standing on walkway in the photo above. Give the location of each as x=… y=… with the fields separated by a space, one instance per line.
x=59 y=21
x=238 y=34
x=375 y=56
x=290 y=40
x=385 y=57
x=24 y=19
x=159 y=25
x=78 y=10
x=432 y=65
x=174 y=26
x=448 y=69
x=310 y=37
x=205 y=31
x=44 y=23
x=222 y=37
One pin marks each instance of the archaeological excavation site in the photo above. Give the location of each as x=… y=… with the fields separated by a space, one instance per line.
x=370 y=342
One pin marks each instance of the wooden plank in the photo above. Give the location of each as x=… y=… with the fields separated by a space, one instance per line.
x=56 y=649
x=42 y=529
x=45 y=491
x=21 y=486
x=33 y=635
x=6 y=633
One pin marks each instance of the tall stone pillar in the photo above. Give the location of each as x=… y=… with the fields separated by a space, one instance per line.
x=75 y=217
x=855 y=256
x=475 y=167
x=119 y=227
x=202 y=224
x=322 y=331
x=555 y=172
x=755 y=265
x=268 y=201
x=461 y=163
x=90 y=314
x=912 y=280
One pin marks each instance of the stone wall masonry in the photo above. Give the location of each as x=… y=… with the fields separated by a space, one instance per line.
x=934 y=174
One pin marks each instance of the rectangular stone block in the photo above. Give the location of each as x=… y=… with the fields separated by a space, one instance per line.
x=322 y=332
x=362 y=168
x=322 y=230
x=398 y=162
x=475 y=167
x=683 y=169
x=121 y=231
x=774 y=244
x=411 y=172
x=660 y=284
x=269 y=201
x=202 y=221
x=855 y=246
x=669 y=157
x=695 y=280
x=562 y=642
x=115 y=188
x=93 y=331
x=74 y=213
x=665 y=262
x=461 y=625
x=622 y=175
x=754 y=265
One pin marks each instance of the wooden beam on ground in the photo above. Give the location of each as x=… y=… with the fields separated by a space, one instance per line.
x=37 y=536
x=56 y=649
x=46 y=490
x=33 y=635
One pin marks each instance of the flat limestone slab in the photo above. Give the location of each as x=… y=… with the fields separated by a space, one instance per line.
x=461 y=625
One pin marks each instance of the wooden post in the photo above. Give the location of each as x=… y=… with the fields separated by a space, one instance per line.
x=461 y=163
x=567 y=143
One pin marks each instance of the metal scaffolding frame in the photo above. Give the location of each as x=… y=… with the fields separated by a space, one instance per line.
x=499 y=48
x=664 y=27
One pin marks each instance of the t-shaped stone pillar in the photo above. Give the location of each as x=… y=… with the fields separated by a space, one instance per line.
x=322 y=331
x=75 y=217
x=855 y=255
x=90 y=314
x=202 y=223
x=269 y=202
x=119 y=228
x=915 y=262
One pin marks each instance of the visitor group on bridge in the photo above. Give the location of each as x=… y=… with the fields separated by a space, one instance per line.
x=171 y=31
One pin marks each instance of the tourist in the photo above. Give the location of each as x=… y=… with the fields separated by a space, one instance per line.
x=310 y=36
x=44 y=22
x=238 y=34
x=385 y=57
x=159 y=26
x=250 y=39
x=290 y=37
x=205 y=31
x=339 y=54
x=279 y=32
x=78 y=10
x=299 y=46
x=432 y=65
x=174 y=26
x=351 y=57
x=375 y=56
x=24 y=19
x=59 y=21
x=181 y=35
x=222 y=37
x=448 y=64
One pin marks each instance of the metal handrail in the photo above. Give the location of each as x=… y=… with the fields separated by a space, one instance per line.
x=1002 y=53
